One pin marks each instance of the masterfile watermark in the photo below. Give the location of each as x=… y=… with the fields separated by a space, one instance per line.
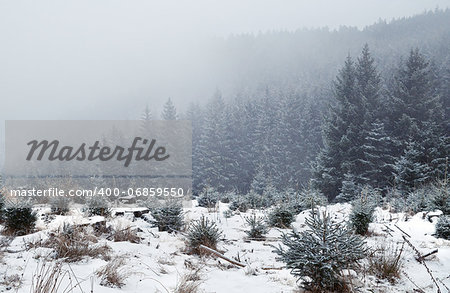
x=113 y=159
x=95 y=152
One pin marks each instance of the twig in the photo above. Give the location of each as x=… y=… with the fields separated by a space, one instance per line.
x=448 y=290
x=428 y=254
x=268 y=269
x=402 y=231
x=222 y=256
x=422 y=261
x=418 y=288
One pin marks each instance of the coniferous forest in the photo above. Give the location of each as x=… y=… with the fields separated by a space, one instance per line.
x=380 y=120
x=320 y=156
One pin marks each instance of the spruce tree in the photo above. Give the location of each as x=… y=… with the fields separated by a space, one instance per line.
x=214 y=148
x=319 y=255
x=377 y=156
x=343 y=134
x=169 y=111
x=146 y=114
x=417 y=124
x=413 y=99
x=369 y=84
x=410 y=169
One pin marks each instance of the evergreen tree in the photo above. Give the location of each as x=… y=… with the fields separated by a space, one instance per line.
x=413 y=99
x=409 y=169
x=343 y=135
x=369 y=84
x=214 y=148
x=259 y=182
x=377 y=156
x=195 y=115
x=169 y=111
x=146 y=114
x=445 y=93
x=319 y=255
x=350 y=189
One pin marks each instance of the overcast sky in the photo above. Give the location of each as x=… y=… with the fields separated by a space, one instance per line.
x=59 y=59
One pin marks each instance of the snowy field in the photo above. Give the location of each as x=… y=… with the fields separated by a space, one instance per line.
x=159 y=262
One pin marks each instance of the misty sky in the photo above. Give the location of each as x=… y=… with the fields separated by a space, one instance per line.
x=61 y=59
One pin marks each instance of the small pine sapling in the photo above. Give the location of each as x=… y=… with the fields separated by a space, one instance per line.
x=257 y=227
x=97 y=206
x=440 y=199
x=167 y=216
x=20 y=219
x=208 y=198
x=281 y=217
x=239 y=204
x=318 y=255
x=362 y=214
x=443 y=227
x=202 y=232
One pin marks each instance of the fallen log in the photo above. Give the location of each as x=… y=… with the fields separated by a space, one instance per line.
x=428 y=254
x=402 y=231
x=222 y=256
x=268 y=268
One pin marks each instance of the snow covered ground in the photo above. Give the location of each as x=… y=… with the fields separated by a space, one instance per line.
x=158 y=263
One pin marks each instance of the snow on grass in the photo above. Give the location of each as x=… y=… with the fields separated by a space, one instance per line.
x=158 y=263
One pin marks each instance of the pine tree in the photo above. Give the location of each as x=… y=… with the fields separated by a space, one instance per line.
x=344 y=135
x=350 y=189
x=444 y=93
x=409 y=169
x=319 y=255
x=169 y=111
x=413 y=99
x=369 y=84
x=214 y=148
x=195 y=115
x=443 y=227
x=362 y=213
x=379 y=162
x=146 y=114
x=259 y=182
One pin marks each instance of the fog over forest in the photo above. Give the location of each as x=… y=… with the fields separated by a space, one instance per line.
x=112 y=61
x=224 y=146
x=108 y=59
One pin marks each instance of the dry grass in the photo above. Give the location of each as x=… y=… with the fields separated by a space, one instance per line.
x=113 y=274
x=189 y=282
x=74 y=243
x=48 y=278
x=11 y=281
x=386 y=263
x=126 y=234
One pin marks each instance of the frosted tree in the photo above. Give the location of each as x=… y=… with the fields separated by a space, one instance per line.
x=343 y=134
x=369 y=84
x=377 y=156
x=413 y=100
x=319 y=255
x=215 y=149
x=349 y=190
x=169 y=111
x=410 y=172
x=259 y=182
x=146 y=114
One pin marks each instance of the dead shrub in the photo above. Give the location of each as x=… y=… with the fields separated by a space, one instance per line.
x=48 y=278
x=189 y=281
x=74 y=243
x=11 y=281
x=386 y=263
x=113 y=274
x=126 y=234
